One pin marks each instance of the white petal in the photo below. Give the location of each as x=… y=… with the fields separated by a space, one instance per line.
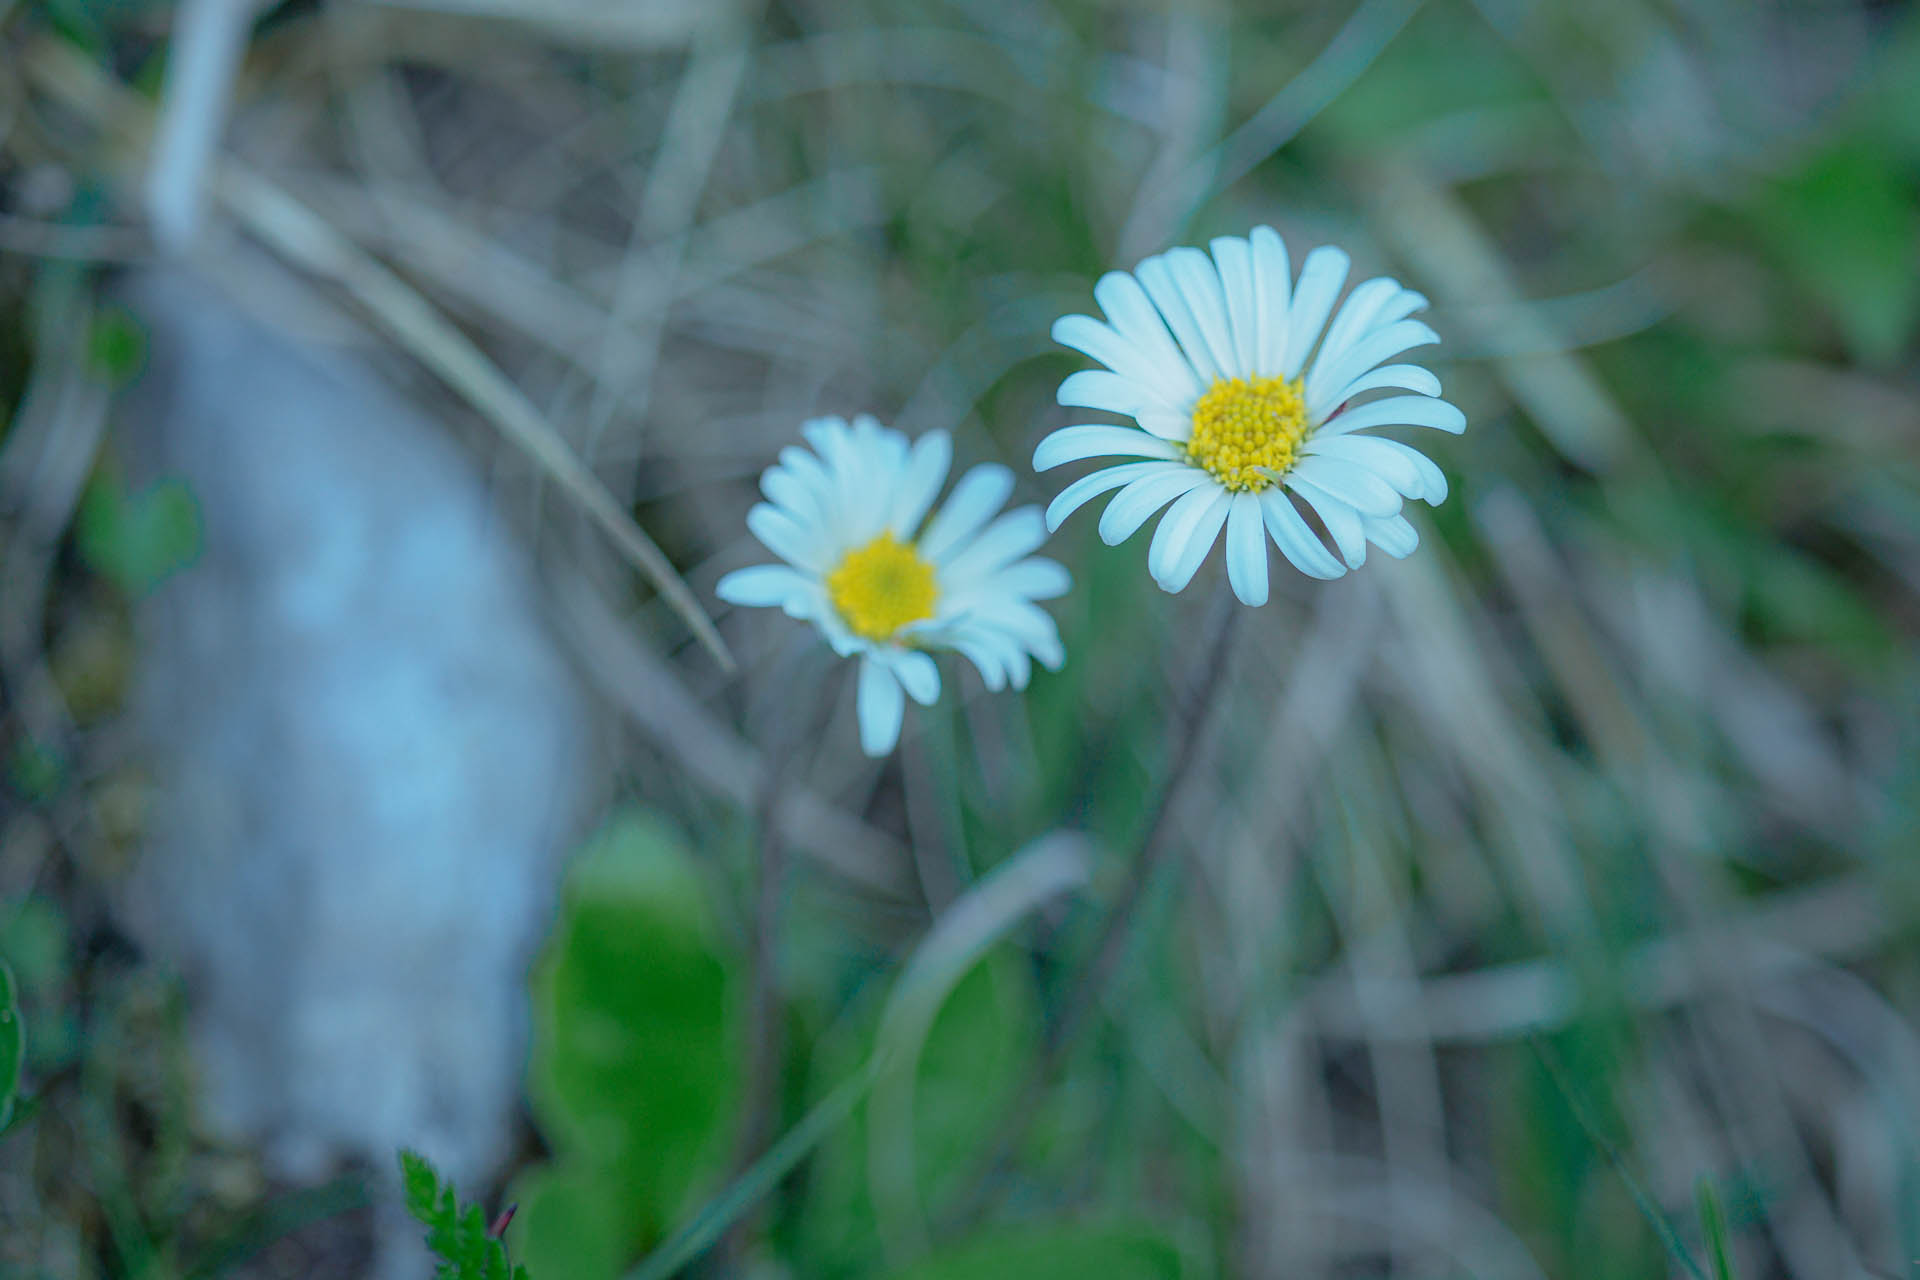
x=1433 y=481
x=810 y=604
x=972 y=503
x=1112 y=348
x=1089 y=487
x=916 y=672
x=1167 y=424
x=762 y=585
x=1247 y=550
x=1235 y=262
x=831 y=438
x=920 y=481
x=1200 y=286
x=1397 y=537
x=1099 y=340
x=881 y=706
x=1342 y=521
x=1351 y=483
x=884 y=452
x=1131 y=312
x=1170 y=537
x=1378 y=456
x=844 y=641
x=1398 y=411
x=1099 y=389
x=986 y=649
x=1200 y=540
x=1355 y=317
x=1133 y=504
x=1295 y=537
x=1330 y=378
x=1158 y=278
x=1406 y=377
x=1272 y=293
x=862 y=457
x=1035 y=631
x=1320 y=280
x=1400 y=306
x=1071 y=444
x=794 y=495
x=1035 y=578
x=787 y=538
x=1001 y=543
x=806 y=467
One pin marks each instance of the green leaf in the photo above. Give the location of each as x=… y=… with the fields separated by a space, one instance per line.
x=459 y=1238
x=116 y=345
x=420 y=1184
x=1713 y=1225
x=568 y=1225
x=13 y=1044
x=137 y=540
x=1847 y=226
x=635 y=1065
x=1055 y=1253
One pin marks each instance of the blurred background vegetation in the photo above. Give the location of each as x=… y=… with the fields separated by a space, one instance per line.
x=1573 y=855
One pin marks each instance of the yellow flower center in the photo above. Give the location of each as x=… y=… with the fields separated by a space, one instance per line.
x=881 y=587
x=1244 y=427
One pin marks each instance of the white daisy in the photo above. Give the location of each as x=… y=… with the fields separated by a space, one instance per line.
x=1229 y=423
x=846 y=518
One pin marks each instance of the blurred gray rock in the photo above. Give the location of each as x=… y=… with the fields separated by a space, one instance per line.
x=370 y=755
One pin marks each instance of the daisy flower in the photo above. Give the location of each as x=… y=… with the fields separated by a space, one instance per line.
x=846 y=518
x=1244 y=394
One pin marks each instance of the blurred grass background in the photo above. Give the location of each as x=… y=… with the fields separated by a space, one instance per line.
x=1601 y=806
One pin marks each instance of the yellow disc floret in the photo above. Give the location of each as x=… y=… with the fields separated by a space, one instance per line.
x=1244 y=428
x=881 y=587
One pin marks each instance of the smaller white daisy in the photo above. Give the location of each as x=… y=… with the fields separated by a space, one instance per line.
x=1233 y=415
x=846 y=518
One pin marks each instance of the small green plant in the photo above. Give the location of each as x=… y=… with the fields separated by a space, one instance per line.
x=467 y=1246
x=13 y=1046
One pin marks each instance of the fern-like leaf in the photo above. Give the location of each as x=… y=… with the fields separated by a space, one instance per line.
x=467 y=1249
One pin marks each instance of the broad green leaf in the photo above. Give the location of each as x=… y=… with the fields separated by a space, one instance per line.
x=1055 y=1253
x=635 y=1063
x=569 y=1224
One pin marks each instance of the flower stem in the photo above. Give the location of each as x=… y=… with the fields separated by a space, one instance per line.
x=766 y=1041
x=1157 y=845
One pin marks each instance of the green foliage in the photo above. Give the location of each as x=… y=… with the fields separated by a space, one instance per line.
x=1845 y=224
x=458 y=1236
x=13 y=1045
x=980 y=1045
x=569 y=1225
x=1056 y=1253
x=116 y=345
x=1713 y=1226
x=137 y=540
x=35 y=771
x=635 y=1066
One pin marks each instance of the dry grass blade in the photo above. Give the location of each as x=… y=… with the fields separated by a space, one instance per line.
x=301 y=235
x=304 y=237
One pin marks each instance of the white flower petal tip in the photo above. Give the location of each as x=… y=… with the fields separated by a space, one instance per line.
x=1246 y=383
x=888 y=579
